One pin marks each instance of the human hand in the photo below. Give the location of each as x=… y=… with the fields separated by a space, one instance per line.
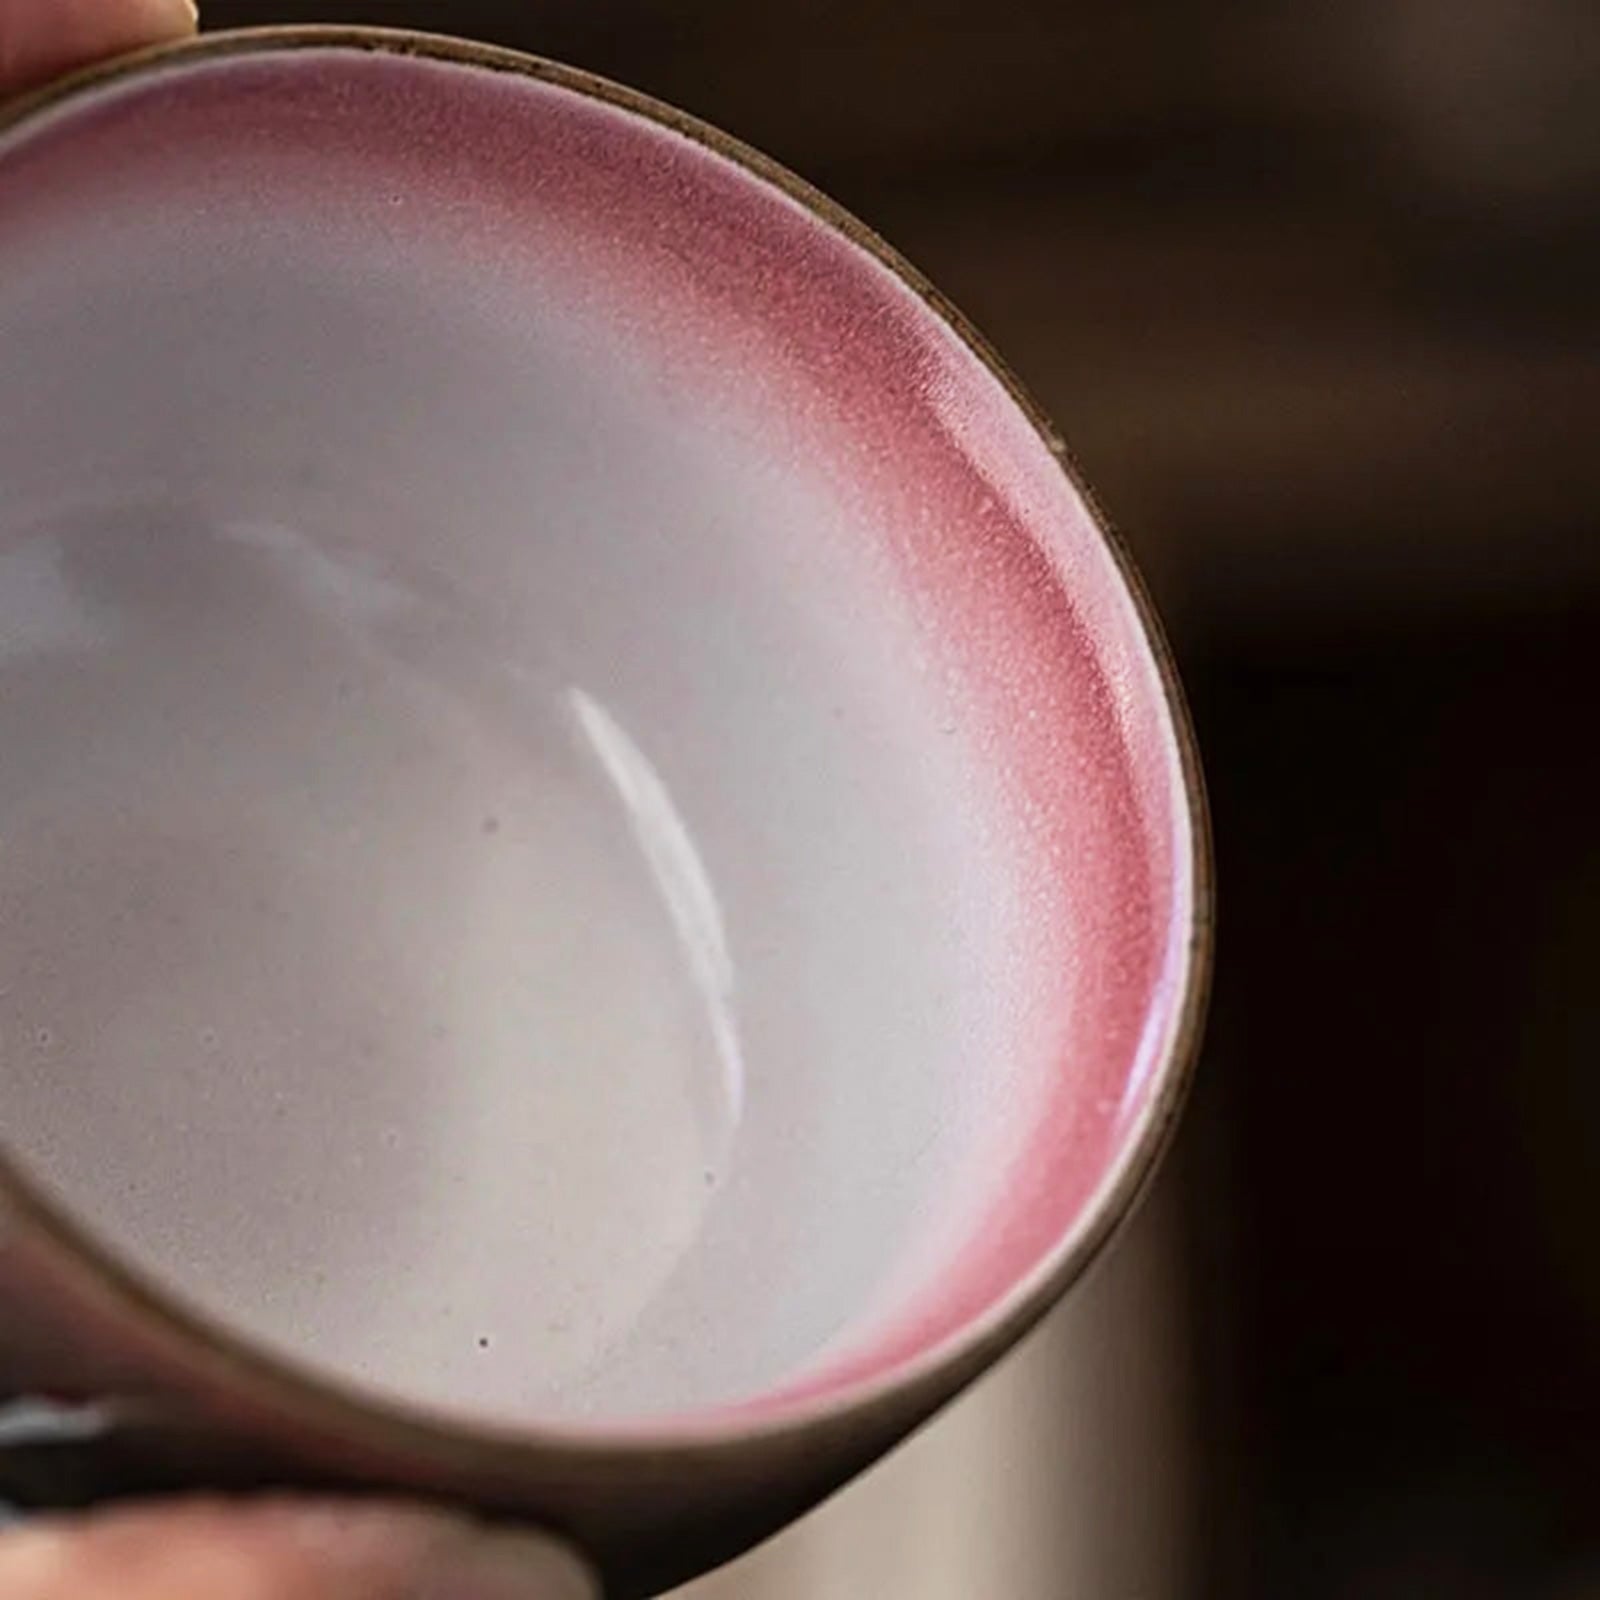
x=40 y=39
x=264 y=1550
x=280 y=1550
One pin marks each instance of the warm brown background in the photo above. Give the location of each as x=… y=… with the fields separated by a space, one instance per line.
x=1315 y=290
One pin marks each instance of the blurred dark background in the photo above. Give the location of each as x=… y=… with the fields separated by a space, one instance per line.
x=1314 y=289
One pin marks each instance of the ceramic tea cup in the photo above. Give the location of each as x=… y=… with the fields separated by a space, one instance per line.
x=602 y=878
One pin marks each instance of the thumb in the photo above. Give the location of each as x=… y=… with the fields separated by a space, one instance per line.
x=41 y=38
x=272 y=1550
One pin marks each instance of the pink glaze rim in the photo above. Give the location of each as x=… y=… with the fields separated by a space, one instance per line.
x=1019 y=489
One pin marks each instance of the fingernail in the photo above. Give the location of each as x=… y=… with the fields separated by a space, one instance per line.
x=491 y=1565
x=161 y=19
x=166 y=19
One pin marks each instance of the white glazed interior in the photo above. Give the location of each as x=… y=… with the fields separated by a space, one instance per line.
x=490 y=905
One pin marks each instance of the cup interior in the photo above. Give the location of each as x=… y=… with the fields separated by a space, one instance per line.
x=592 y=834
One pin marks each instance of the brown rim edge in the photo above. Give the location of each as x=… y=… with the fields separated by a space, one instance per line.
x=277 y=1386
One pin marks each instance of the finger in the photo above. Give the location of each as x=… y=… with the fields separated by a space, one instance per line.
x=42 y=38
x=281 y=1551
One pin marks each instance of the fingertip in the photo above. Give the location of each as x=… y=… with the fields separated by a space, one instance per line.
x=284 y=1550
x=407 y=1553
x=40 y=39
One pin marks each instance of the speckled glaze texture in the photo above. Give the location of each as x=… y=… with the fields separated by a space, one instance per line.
x=756 y=309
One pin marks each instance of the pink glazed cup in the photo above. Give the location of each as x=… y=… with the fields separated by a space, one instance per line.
x=605 y=888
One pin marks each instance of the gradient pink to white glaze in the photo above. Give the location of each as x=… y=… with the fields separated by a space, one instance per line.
x=763 y=309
